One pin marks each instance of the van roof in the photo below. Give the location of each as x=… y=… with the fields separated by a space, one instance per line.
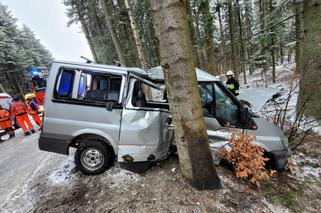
x=155 y=73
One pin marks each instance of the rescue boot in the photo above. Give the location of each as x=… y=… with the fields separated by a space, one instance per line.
x=27 y=133
x=33 y=131
x=12 y=135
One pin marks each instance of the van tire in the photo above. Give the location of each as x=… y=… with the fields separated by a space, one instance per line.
x=93 y=157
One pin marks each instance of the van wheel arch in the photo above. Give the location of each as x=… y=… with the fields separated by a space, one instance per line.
x=87 y=137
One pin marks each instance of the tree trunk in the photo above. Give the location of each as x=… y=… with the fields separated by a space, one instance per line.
x=86 y=31
x=241 y=41
x=223 y=46
x=195 y=156
x=207 y=21
x=272 y=45
x=192 y=29
x=232 y=38
x=139 y=45
x=200 y=54
x=249 y=34
x=113 y=33
x=310 y=89
x=298 y=35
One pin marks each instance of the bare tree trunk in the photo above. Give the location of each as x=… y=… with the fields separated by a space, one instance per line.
x=177 y=57
x=232 y=38
x=223 y=46
x=193 y=36
x=113 y=33
x=272 y=46
x=139 y=45
x=207 y=21
x=249 y=33
x=241 y=40
x=310 y=89
x=86 y=31
x=298 y=35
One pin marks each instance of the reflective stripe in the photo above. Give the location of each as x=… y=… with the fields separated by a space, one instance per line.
x=237 y=91
x=230 y=86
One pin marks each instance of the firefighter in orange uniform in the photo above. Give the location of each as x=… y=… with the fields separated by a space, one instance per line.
x=33 y=111
x=20 y=110
x=5 y=122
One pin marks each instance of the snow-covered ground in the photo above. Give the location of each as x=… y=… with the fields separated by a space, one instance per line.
x=36 y=181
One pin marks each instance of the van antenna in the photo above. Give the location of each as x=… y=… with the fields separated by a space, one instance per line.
x=88 y=61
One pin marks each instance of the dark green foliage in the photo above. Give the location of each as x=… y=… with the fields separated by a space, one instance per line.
x=19 y=50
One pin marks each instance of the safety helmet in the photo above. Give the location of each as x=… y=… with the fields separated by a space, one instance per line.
x=230 y=73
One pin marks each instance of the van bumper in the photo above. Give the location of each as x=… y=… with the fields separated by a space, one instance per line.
x=54 y=143
x=281 y=158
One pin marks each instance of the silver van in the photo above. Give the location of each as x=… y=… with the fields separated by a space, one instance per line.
x=110 y=112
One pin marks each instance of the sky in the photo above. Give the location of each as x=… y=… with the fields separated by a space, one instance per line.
x=48 y=21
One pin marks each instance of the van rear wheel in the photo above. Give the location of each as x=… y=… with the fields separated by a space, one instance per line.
x=93 y=157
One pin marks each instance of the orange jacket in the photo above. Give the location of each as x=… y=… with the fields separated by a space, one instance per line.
x=18 y=108
x=5 y=121
x=32 y=108
x=4 y=115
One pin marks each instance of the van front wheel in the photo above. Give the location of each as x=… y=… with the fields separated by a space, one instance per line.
x=92 y=157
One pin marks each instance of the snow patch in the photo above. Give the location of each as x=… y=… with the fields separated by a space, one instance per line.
x=307 y=167
x=118 y=177
x=63 y=174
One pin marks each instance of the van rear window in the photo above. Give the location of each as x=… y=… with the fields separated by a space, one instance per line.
x=65 y=83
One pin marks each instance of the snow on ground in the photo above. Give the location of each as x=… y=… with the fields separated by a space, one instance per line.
x=65 y=174
x=307 y=167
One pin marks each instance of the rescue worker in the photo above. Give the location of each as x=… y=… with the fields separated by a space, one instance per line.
x=20 y=110
x=232 y=84
x=5 y=122
x=33 y=110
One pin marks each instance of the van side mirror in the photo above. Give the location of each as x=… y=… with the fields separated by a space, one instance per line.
x=244 y=116
x=110 y=105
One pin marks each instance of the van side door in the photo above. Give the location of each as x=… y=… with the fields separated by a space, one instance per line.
x=145 y=131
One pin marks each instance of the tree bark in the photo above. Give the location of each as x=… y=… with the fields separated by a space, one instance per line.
x=113 y=33
x=310 y=89
x=272 y=46
x=86 y=31
x=207 y=21
x=241 y=42
x=192 y=29
x=223 y=46
x=138 y=42
x=232 y=38
x=298 y=35
x=195 y=156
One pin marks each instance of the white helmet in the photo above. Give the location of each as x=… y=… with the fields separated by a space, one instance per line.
x=230 y=73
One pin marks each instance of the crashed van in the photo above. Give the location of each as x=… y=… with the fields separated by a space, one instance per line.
x=113 y=113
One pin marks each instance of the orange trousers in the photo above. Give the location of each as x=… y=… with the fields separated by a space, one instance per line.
x=23 y=120
x=37 y=119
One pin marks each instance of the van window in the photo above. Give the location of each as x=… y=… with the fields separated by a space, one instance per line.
x=65 y=83
x=225 y=109
x=206 y=90
x=95 y=87
x=146 y=96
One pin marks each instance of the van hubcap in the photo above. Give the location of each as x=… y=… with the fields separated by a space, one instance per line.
x=92 y=159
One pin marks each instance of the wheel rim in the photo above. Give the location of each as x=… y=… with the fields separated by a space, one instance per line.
x=92 y=159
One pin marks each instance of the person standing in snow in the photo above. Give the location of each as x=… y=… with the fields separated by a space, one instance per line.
x=33 y=111
x=5 y=122
x=20 y=110
x=232 y=84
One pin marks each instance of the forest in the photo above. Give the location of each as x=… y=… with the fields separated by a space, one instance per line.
x=238 y=35
x=19 y=51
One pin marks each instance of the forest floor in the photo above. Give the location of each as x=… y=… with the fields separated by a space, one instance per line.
x=53 y=185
